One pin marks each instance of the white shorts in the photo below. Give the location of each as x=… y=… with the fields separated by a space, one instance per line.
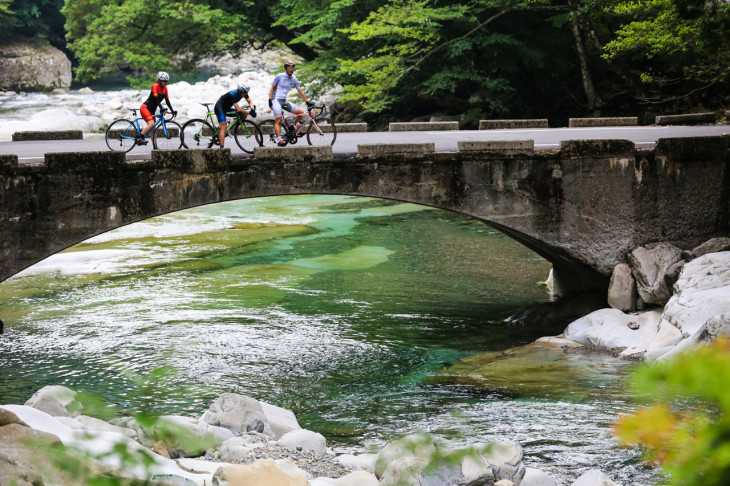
x=277 y=106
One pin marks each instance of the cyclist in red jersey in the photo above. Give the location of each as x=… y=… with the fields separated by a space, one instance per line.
x=148 y=108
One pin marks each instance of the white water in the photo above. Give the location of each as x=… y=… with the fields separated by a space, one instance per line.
x=91 y=111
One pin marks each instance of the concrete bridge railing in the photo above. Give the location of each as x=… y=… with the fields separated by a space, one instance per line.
x=583 y=207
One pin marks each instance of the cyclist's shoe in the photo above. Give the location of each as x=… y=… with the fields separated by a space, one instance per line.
x=281 y=143
x=300 y=135
x=139 y=140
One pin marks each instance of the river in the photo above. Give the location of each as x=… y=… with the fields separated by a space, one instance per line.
x=352 y=312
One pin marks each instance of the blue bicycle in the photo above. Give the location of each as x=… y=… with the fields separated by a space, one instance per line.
x=121 y=134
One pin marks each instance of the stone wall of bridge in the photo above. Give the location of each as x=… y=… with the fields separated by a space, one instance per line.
x=583 y=207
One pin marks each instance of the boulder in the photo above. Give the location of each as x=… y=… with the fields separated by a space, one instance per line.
x=234 y=412
x=649 y=265
x=24 y=464
x=611 y=329
x=30 y=65
x=180 y=436
x=403 y=471
x=264 y=472
x=56 y=401
x=593 y=477
x=702 y=294
x=306 y=439
x=357 y=478
x=622 y=289
x=279 y=419
x=409 y=446
x=714 y=245
x=365 y=462
x=536 y=477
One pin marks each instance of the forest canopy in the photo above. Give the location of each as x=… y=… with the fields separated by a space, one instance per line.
x=472 y=58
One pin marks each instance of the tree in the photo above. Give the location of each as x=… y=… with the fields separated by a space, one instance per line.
x=675 y=46
x=33 y=18
x=146 y=36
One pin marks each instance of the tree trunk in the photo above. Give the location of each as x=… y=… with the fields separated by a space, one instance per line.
x=594 y=101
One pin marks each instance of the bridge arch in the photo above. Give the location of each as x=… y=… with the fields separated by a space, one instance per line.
x=583 y=208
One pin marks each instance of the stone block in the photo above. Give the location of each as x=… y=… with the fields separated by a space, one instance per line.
x=615 y=121
x=8 y=164
x=422 y=126
x=294 y=154
x=192 y=161
x=350 y=127
x=395 y=148
x=596 y=148
x=688 y=149
x=84 y=161
x=687 y=119
x=507 y=147
x=526 y=123
x=48 y=135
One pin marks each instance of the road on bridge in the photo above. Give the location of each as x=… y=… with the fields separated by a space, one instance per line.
x=445 y=141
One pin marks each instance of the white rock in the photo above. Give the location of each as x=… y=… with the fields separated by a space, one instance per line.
x=234 y=412
x=366 y=462
x=357 y=478
x=98 y=443
x=306 y=439
x=622 y=289
x=56 y=401
x=280 y=419
x=607 y=329
x=536 y=477
x=594 y=477
x=409 y=446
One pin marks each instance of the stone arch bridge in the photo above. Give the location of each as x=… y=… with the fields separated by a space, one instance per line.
x=583 y=207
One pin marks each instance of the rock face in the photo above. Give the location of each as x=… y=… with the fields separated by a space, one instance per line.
x=649 y=265
x=32 y=66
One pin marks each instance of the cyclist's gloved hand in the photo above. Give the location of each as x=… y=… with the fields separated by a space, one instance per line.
x=174 y=113
x=271 y=103
x=252 y=112
x=310 y=105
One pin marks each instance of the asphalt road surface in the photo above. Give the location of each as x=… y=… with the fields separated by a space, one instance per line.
x=445 y=141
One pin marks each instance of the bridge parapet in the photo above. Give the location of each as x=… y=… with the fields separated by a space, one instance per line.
x=583 y=207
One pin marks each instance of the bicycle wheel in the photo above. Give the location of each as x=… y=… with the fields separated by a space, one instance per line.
x=248 y=136
x=197 y=133
x=267 y=132
x=120 y=135
x=170 y=140
x=324 y=132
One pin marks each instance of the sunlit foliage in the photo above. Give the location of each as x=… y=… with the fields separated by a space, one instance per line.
x=687 y=428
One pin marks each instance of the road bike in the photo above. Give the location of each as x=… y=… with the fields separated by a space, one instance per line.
x=121 y=134
x=319 y=129
x=204 y=133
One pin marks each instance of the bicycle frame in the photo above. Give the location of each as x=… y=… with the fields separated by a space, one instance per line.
x=309 y=119
x=217 y=127
x=160 y=122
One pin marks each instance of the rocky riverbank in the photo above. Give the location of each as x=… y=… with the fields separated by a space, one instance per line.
x=238 y=441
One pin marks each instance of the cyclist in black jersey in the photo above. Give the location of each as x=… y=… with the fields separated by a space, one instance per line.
x=230 y=100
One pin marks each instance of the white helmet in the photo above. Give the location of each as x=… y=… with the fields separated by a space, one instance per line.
x=243 y=87
x=163 y=76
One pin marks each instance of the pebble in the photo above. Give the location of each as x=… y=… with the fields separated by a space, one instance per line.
x=313 y=464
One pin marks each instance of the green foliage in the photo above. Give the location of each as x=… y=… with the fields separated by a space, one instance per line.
x=687 y=429
x=83 y=465
x=33 y=18
x=669 y=40
x=147 y=36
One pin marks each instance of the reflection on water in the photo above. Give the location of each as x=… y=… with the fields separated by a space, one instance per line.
x=345 y=310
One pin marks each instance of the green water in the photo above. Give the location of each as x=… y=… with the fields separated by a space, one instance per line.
x=368 y=318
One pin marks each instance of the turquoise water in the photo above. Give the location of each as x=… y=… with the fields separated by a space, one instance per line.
x=357 y=314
